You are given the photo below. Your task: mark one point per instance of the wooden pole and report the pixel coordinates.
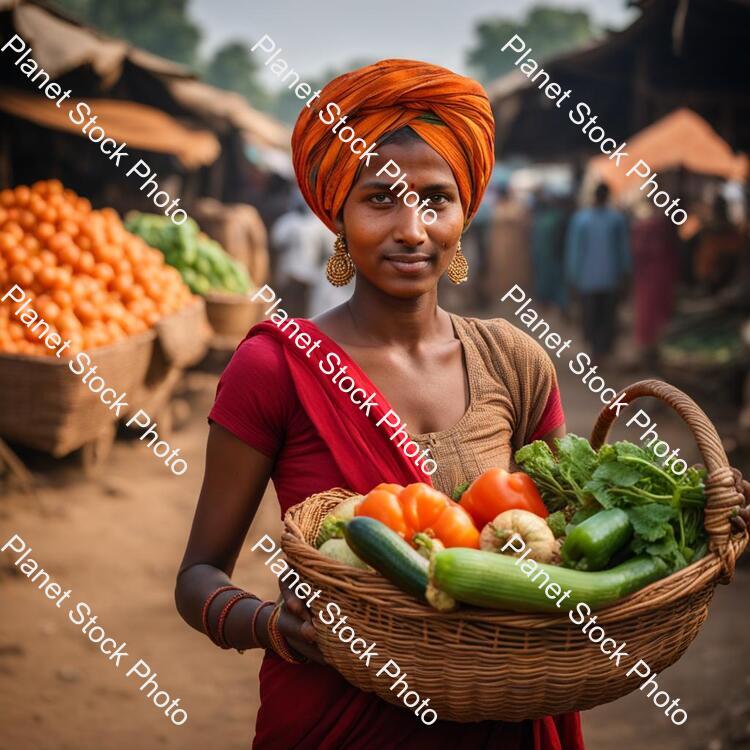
(22, 476)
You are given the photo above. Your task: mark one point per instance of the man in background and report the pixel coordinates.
(597, 261)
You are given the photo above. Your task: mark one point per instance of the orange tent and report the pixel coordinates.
(681, 139)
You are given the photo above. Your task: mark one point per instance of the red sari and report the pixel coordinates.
(275, 398)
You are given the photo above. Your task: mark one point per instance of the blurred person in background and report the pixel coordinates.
(548, 250)
(295, 267)
(478, 236)
(508, 258)
(597, 262)
(656, 269)
(718, 249)
(303, 245)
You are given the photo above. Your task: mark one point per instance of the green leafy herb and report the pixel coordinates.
(666, 510)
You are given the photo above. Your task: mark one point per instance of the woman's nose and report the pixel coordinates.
(410, 230)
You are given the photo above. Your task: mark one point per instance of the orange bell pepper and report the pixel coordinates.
(382, 504)
(496, 491)
(420, 508)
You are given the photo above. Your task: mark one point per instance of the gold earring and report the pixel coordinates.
(340, 268)
(458, 270)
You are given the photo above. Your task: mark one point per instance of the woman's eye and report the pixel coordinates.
(438, 199)
(381, 199)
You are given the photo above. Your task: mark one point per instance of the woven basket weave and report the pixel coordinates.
(478, 664)
(44, 405)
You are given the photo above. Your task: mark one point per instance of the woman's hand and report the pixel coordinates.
(295, 624)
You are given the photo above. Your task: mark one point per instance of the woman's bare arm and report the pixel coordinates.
(235, 479)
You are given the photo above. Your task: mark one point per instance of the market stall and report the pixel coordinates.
(189, 139)
(194, 135)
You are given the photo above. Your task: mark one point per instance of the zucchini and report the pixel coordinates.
(383, 549)
(593, 542)
(498, 581)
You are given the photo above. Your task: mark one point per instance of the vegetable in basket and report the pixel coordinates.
(500, 582)
(331, 527)
(388, 553)
(533, 531)
(496, 491)
(420, 508)
(202, 262)
(338, 549)
(593, 542)
(557, 523)
(664, 510)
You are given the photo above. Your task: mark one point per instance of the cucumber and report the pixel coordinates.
(498, 582)
(591, 544)
(384, 550)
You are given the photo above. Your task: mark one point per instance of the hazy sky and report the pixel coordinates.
(315, 35)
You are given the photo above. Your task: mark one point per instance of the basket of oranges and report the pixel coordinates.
(94, 285)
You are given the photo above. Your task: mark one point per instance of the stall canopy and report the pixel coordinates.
(211, 103)
(139, 126)
(681, 140)
(64, 46)
(678, 53)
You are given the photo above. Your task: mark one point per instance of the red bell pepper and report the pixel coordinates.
(496, 491)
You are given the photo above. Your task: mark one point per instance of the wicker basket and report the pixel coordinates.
(478, 664)
(44, 405)
(183, 336)
(232, 315)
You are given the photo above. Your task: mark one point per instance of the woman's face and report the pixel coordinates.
(388, 241)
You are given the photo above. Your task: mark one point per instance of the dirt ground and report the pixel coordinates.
(116, 541)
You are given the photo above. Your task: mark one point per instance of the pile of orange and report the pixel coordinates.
(92, 281)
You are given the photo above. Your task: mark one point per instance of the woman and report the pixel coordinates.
(470, 391)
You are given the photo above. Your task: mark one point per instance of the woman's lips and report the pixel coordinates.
(409, 263)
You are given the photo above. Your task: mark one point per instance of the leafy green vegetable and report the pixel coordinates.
(650, 521)
(665, 510)
(559, 480)
(557, 523)
(201, 261)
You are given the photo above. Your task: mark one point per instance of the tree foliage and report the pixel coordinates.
(159, 26)
(548, 31)
(233, 67)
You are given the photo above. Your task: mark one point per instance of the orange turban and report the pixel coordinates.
(449, 112)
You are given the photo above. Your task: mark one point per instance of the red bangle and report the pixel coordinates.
(254, 621)
(207, 605)
(225, 613)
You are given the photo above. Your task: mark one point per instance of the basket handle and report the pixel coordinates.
(726, 491)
